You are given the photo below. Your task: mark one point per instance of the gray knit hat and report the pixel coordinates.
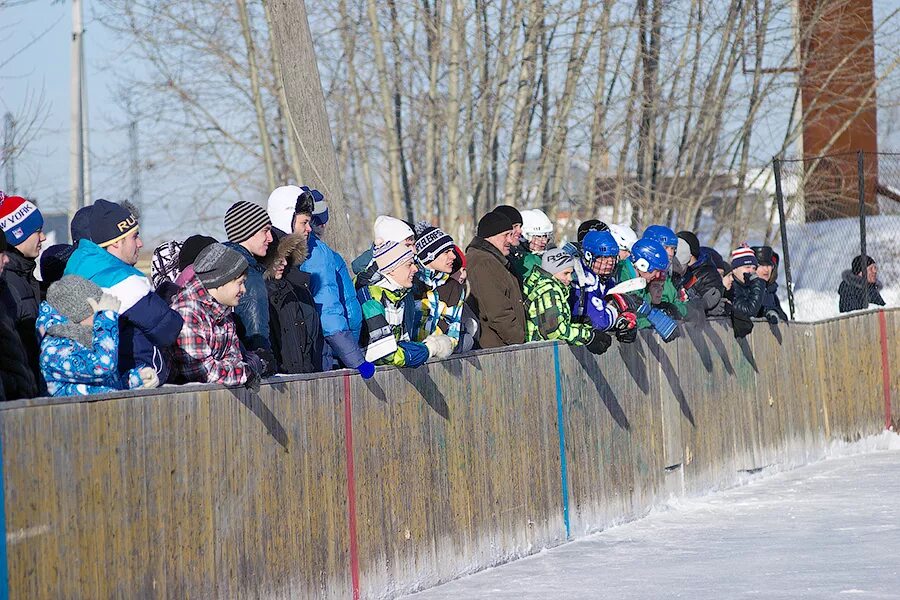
(69, 297)
(217, 264)
(556, 260)
(243, 220)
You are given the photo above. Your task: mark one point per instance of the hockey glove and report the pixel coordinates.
(664, 324)
(599, 342)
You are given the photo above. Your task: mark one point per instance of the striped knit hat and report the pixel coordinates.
(19, 218)
(389, 255)
(431, 242)
(743, 256)
(243, 220)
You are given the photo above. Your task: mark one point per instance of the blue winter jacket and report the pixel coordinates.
(147, 326)
(336, 303)
(252, 313)
(73, 369)
(587, 301)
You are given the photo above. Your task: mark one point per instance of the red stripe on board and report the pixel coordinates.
(885, 369)
(351, 490)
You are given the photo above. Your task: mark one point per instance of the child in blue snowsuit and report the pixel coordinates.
(78, 326)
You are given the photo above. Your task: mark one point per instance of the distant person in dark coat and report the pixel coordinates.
(16, 377)
(747, 290)
(701, 278)
(768, 271)
(860, 286)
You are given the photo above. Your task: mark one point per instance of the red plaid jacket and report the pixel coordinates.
(207, 349)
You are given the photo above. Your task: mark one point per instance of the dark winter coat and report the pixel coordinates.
(771, 304)
(294, 327)
(252, 313)
(702, 280)
(496, 296)
(853, 291)
(746, 299)
(16, 377)
(148, 327)
(22, 297)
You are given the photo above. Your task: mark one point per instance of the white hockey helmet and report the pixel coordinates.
(535, 222)
(625, 236)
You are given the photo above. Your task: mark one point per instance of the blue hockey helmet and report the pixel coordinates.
(597, 244)
(649, 255)
(661, 234)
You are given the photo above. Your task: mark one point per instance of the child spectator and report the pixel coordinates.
(536, 230)
(79, 330)
(293, 321)
(768, 271)
(701, 279)
(859, 286)
(442, 298)
(147, 326)
(650, 262)
(496, 294)
(599, 256)
(391, 315)
(625, 237)
(547, 299)
(665, 294)
(16, 377)
(747, 290)
(208, 349)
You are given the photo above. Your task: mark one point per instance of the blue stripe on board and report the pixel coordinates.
(4, 571)
(562, 439)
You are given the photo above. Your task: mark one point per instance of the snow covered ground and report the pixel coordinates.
(828, 530)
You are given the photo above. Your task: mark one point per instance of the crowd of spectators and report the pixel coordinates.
(274, 298)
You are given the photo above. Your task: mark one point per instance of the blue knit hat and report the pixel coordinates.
(320, 208)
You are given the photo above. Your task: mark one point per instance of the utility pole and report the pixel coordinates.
(77, 138)
(135, 168)
(9, 149)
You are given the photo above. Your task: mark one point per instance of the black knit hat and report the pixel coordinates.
(53, 262)
(857, 265)
(511, 213)
(80, 227)
(692, 242)
(110, 222)
(431, 242)
(191, 248)
(591, 225)
(243, 220)
(493, 223)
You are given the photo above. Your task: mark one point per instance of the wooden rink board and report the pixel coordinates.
(204, 492)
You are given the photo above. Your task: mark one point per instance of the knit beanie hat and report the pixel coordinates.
(493, 223)
(69, 297)
(743, 256)
(693, 243)
(164, 264)
(556, 260)
(218, 264)
(856, 265)
(320, 208)
(431, 242)
(244, 219)
(390, 229)
(510, 212)
(110, 222)
(191, 248)
(19, 218)
(80, 227)
(389, 255)
(53, 262)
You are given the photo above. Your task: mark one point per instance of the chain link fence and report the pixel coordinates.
(838, 213)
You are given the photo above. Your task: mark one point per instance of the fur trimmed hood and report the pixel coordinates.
(291, 247)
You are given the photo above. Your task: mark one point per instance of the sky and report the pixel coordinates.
(35, 63)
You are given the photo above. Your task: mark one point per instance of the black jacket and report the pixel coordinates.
(770, 303)
(16, 377)
(702, 280)
(294, 328)
(22, 298)
(747, 297)
(853, 290)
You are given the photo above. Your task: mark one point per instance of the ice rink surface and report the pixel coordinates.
(827, 530)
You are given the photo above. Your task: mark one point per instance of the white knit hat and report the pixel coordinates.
(389, 229)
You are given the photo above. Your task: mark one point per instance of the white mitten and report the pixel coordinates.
(149, 377)
(106, 302)
(439, 345)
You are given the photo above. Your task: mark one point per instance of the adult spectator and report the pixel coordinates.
(518, 254)
(496, 294)
(306, 213)
(249, 232)
(768, 271)
(441, 297)
(625, 237)
(747, 290)
(548, 314)
(391, 315)
(701, 279)
(147, 326)
(22, 224)
(294, 327)
(79, 330)
(208, 348)
(16, 376)
(599, 255)
(859, 286)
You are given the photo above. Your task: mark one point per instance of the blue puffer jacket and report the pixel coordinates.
(336, 303)
(72, 368)
(147, 326)
(252, 314)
